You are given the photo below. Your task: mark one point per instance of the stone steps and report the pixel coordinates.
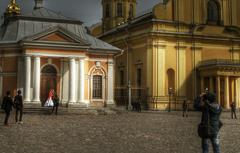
(69, 111)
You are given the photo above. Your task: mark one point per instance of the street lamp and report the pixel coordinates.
(170, 93)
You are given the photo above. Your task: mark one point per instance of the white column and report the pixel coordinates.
(182, 71)
(110, 84)
(81, 80)
(218, 84)
(37, 75)
(226, 93)
(27, 79)
(1, 84)
(72, 81)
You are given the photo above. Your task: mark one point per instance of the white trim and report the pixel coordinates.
(103, 74)
(55, 55)
(55, 66)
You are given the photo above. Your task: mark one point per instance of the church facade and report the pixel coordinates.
(176, 50)
(45, 50)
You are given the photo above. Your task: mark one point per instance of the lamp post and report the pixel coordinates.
(170, 92)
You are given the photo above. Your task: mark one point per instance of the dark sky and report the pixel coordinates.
(88, 11)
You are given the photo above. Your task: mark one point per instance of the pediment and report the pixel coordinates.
(57, 35)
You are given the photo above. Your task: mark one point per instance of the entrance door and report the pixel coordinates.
(48, 81)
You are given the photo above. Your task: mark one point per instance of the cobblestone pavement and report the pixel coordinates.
(127, 132)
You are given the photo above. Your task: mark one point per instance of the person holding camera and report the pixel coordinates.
(210, 122)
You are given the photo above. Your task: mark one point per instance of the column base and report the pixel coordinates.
(78, 104)
(110, 102)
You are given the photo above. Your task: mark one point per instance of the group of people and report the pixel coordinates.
(9, 103)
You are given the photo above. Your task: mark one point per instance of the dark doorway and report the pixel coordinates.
(48, 81)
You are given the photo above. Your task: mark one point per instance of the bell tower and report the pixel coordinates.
(117, 11)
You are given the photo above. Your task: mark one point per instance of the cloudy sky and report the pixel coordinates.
(88, 11)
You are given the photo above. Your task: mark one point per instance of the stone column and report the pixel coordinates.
(218, 84)
(226, 93)
(211, 84)
(110, 89)
(81, 80)
(72, 80)
(27, 85)
(181, 77)
(37, 75)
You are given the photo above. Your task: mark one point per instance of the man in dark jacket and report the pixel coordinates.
(233, 110)
(211, 112)
(56, 104)
(7, 105)
(18, 103)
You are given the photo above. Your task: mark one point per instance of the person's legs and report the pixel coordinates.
(21, 114)
(6, 117)
(235, 115)
(204, 145)
(216, 144)
(16, 115)
(56, 110)
(232, 114)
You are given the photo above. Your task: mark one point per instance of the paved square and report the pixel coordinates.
(127, 132)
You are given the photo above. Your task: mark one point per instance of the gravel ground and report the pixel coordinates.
(127, 132)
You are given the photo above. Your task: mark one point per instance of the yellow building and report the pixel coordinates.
(182, 45)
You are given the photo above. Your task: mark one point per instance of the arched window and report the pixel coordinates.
(131, 11)
(119, 10)
(213, 10)
(49, 70)
(171, 78)
(107, 11)
(97, 87)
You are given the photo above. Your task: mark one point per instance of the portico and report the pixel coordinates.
(223, 78)
(51, 51)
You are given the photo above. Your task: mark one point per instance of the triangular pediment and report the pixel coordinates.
(57, 34)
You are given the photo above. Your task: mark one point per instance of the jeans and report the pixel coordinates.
(16, 115)
(215, 144)
(7, 114)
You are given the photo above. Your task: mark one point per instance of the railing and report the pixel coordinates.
(138, 95)
(219, 62)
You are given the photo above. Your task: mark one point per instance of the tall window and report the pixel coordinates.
(97, 87)
(119, 9)
(213, 12)
(107, 11)
(131, 11)
(121, 77)
(139, 82)
(171, 78)
(139, 77)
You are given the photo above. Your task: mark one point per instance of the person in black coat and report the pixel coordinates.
(18, 103)
(7, 105)
(185, 108)
(233, 110)
(56, 104)
(211, 112)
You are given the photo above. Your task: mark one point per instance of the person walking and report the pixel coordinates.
(7, 105)
(18, 103)
(56, 104)
(210, 122)
(233, 110)
(185, 108)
